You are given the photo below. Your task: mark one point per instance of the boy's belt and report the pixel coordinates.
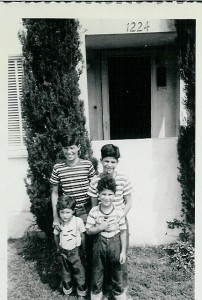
(67, 253)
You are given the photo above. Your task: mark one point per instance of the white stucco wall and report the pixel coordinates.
(18, 205)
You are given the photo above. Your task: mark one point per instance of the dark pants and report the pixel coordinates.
(124, 266)
(106, 256)
(72, 267)
(82, 212)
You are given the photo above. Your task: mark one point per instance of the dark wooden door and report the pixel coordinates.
(129, 97)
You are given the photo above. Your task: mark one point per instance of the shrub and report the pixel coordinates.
(182, 255)
(50, 104)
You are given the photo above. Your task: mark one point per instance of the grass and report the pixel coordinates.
(33, 273)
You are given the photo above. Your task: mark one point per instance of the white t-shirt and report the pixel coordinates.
(70, 234)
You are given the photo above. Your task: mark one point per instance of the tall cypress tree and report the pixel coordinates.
(50, 104)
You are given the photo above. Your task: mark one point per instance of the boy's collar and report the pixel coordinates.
(99, 206)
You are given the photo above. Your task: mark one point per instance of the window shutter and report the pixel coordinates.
(16, 133)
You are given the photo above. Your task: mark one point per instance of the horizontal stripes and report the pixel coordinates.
(123, 188)
(116, 219)
(74, 180)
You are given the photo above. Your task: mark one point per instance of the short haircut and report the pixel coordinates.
(110, 150)
(65, 201)
(106, 182)
(71, 139)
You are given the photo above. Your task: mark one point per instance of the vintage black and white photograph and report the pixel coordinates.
(100, 191)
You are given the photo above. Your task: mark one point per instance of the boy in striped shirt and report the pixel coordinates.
(74, 175)
(107, 223)
(110, 155)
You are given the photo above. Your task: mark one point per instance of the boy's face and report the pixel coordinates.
(71, 152)
(109, 164)
(106, 197)
(66, 214)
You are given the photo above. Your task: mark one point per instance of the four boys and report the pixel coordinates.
(111, 200)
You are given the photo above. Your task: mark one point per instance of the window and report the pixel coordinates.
(16, 144)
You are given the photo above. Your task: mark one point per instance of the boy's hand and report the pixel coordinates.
(105, 226)
(122, 257)
(56, 223)
(58, 251)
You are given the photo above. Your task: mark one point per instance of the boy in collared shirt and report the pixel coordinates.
(70, 239)
(107, 223)
(110, 155)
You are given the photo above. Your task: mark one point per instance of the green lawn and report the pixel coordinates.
(33, 274)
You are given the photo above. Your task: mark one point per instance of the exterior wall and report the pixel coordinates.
(19, 217)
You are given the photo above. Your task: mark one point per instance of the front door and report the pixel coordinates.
(129, 90)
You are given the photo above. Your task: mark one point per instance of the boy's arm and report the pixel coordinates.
(128, 203)
(123, 237)
(54, 200)
(83, 243)
(97, 229)
(57, 241)
(94, 201)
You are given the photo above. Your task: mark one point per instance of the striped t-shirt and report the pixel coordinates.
(116, 220)
(123, 188)
(74, 180)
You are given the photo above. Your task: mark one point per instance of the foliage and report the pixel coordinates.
(182, 252)
(50, 104)
(182, 255)
(187, 230)
(186, 140)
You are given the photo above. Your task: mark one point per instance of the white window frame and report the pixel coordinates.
(16, 146)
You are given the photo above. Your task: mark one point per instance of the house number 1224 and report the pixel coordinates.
(137, 27)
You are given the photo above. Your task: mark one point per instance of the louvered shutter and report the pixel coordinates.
(15, 126)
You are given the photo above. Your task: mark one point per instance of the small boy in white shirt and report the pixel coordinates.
(70, 239)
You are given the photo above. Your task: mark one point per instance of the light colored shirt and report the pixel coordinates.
(123, 188)
(116, 219)
(74, 180)
(70, 234)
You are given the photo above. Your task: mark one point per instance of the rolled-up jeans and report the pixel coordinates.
(72, 266)
(106, 256)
